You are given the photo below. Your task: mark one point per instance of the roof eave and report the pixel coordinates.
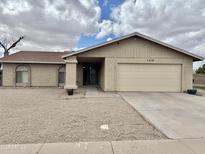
(198, 59)
(195, 57)
(32, 62)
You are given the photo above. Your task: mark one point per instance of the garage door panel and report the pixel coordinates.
(149, 77)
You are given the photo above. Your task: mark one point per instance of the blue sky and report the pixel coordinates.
(106, 8)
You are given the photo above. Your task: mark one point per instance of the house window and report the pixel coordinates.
(61, 75)
(22, 74)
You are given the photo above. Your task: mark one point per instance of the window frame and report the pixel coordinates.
(61, 69)
(25, 68)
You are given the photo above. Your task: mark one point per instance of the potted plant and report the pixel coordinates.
(192, 91)
(70, 91)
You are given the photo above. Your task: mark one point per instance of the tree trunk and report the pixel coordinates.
(6, 53)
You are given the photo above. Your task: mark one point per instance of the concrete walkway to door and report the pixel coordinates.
(177, 115)
(94, 91)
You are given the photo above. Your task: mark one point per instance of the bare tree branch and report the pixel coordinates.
(2, 46)
(15, 43)
(5, 44)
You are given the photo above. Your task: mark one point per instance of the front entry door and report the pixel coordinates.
(90, 74)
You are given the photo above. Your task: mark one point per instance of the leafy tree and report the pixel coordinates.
(201, 70)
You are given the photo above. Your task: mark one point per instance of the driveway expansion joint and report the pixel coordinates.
(112, 147)
(38, 151)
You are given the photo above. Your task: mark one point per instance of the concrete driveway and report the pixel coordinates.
(177, 115)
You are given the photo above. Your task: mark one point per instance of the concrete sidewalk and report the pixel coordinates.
(193, 146)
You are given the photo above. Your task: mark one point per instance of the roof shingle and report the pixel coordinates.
(35, 57)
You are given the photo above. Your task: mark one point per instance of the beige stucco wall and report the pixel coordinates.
(45, 75)
(8, 75)
(138, 50)
(71, 73)
(102, 75)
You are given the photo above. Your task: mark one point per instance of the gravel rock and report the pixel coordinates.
(39, 115)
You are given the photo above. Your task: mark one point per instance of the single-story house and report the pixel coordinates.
(134, 62)
(33, 69)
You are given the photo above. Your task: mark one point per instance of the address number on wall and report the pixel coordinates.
(150, 60)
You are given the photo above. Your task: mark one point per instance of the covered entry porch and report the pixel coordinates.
(84, 71)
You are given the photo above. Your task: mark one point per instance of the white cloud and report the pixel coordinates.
(180, 23)
(105, 28)
(14, 7)
(109, 39)
(49, 24)
(106, 2)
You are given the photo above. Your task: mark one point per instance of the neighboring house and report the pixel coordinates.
(33, 68)
(134, 62)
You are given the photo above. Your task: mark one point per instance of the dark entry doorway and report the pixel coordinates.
(91, 73)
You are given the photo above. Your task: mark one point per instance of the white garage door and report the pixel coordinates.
(149, 77)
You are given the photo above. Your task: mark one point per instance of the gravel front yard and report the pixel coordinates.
(42, 115)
